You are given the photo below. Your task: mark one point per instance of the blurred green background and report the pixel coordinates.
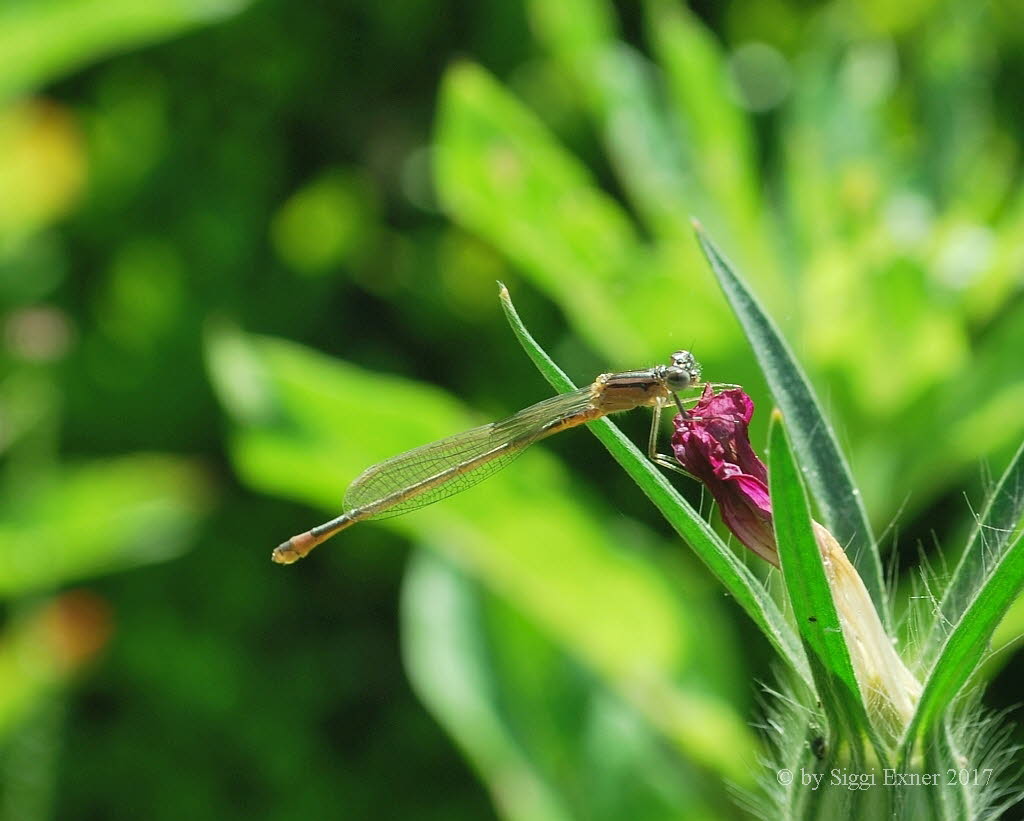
(247, 249)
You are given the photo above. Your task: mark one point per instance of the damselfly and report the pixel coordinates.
(441, 469)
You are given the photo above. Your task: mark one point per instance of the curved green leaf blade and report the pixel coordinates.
(720, 560)
(809, 592)
(813, 439)
(991, 536)
(503, 175)
(969, 640)
(621, 92)
(719, 135)
(97, 517)
(41, 41)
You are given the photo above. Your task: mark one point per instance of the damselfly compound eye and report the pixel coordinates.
(677, 379)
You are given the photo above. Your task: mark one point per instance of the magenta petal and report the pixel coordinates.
(755, 491)
(713, 443)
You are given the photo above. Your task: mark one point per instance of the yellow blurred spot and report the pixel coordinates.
(326, 223)
(860, 187)
(42, 165)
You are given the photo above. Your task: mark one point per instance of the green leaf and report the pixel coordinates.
(992, 535)
(720, 142)
(97, 517)
(810, 595)
(304, 425)
(968, 640)
(575, 27)
(42, 41)
(502, 175)
(720, 560)
(620, 89)
(670, 161)
(814, 442)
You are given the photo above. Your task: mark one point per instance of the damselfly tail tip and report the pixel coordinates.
(502, 290)
(697, 225)
(294, 549)
(285, 553)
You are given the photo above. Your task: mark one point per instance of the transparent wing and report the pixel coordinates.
(473, 450)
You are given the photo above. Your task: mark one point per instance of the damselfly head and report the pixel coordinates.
(683, 372)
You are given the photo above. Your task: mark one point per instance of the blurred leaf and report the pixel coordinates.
(974, 412)
(821, 459)
(447, 661)
(40, 41)
(95, 518)
(815, 150)
(324, 421)
(671, 162)
(579, 26)
(550, 741)
(733, 574)
(988, 292)
(618, 84)
(501, 174)
(719, 141)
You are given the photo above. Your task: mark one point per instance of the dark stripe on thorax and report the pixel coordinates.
(632, 379)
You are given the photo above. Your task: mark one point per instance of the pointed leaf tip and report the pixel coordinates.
(815, 442)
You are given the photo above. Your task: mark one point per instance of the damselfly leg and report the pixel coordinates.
(663, 460)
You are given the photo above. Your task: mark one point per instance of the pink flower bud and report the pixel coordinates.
(712, 442)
